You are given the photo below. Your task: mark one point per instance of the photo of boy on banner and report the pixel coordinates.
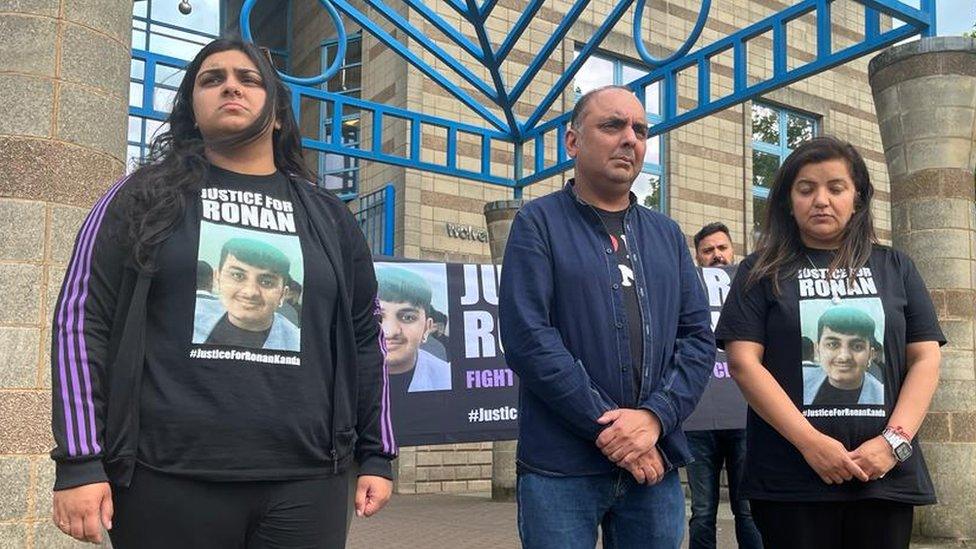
(407, 301)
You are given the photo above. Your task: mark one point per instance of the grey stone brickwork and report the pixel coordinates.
(925, 94)
(64, 71)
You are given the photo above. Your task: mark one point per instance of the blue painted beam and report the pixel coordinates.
(574, 66)
(431, 16)
(929, 9)
(486, 8)
(429, 45)
(395, 160)
(516, 31)
(492, 65)
(458, 6)
(703, 12)
(557, 36)
(389, 219)
(824, 29)
(414, 60)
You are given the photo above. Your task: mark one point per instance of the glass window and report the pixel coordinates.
(340, 173)
(603, 70)
(764, 166)
(158, 27)
(765, 124)
(647, 187)
(798, 130)
(595, 72)
(775, 133)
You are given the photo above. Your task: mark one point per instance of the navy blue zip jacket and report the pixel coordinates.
(564, 329)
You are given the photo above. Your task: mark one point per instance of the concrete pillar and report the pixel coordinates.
(925, 95)
(64, 71)
(499, 216)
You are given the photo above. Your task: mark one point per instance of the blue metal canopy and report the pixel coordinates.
(496, 99)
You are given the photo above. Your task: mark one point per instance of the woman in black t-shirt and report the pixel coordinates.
(189, 410)
(832, 459)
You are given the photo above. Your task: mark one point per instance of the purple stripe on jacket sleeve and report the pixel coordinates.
(86, 368)
(71, 337)
(67, 363)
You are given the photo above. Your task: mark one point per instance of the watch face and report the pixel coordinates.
(903, 451)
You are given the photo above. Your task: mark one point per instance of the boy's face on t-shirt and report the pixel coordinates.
(844, 357)
(250, 294)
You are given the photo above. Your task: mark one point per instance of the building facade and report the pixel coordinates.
(62, 123)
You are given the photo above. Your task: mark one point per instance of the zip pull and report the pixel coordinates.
(335, 461)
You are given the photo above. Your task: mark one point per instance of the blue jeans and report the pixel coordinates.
(711, 449)
(565, 512)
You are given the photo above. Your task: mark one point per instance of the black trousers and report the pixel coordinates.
(165, 511)
(862, 524)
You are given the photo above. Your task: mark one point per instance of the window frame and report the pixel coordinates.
(325, 117)
(782, 149)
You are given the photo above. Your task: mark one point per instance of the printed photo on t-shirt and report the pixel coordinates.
(249, 289)
(843, 352)
(413, 304)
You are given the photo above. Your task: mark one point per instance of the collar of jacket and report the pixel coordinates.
(570, 189)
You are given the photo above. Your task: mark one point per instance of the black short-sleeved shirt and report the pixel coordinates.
(614, 223)
(838, 349)
(232, 389)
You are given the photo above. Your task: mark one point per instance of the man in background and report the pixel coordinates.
(713, 448)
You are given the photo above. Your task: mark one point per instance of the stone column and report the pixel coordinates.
(499, 216)
(64, 71)
(925, 94)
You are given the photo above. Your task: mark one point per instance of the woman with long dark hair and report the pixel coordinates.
(832, 459)
(187, 410)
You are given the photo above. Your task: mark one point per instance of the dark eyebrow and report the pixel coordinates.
(223, 71)
(215, 70)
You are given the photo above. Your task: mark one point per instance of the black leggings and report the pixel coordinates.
(861, 524)
(166, 511)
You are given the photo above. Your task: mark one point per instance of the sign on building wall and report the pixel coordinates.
(448, 378)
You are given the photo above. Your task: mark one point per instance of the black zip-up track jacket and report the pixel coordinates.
(98, 344)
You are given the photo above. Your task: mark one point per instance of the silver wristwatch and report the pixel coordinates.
(901, 447)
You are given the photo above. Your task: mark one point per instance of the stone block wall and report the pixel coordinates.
(64, 71)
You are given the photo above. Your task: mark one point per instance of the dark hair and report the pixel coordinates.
(398, 285)
(257, 254)
(709, 230)
(176, 165)
(780, 246)
(847, 320)
(580, 108)
(204, 276)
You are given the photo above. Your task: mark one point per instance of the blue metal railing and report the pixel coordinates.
(508, 130)
(377, 219)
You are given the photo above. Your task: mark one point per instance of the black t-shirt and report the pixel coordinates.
(614, 223)
(232, 389)
(226, 332)
(848, 384)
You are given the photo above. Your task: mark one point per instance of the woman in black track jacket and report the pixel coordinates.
(188, 409)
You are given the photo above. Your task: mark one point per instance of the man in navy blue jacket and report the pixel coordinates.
(605, 322)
